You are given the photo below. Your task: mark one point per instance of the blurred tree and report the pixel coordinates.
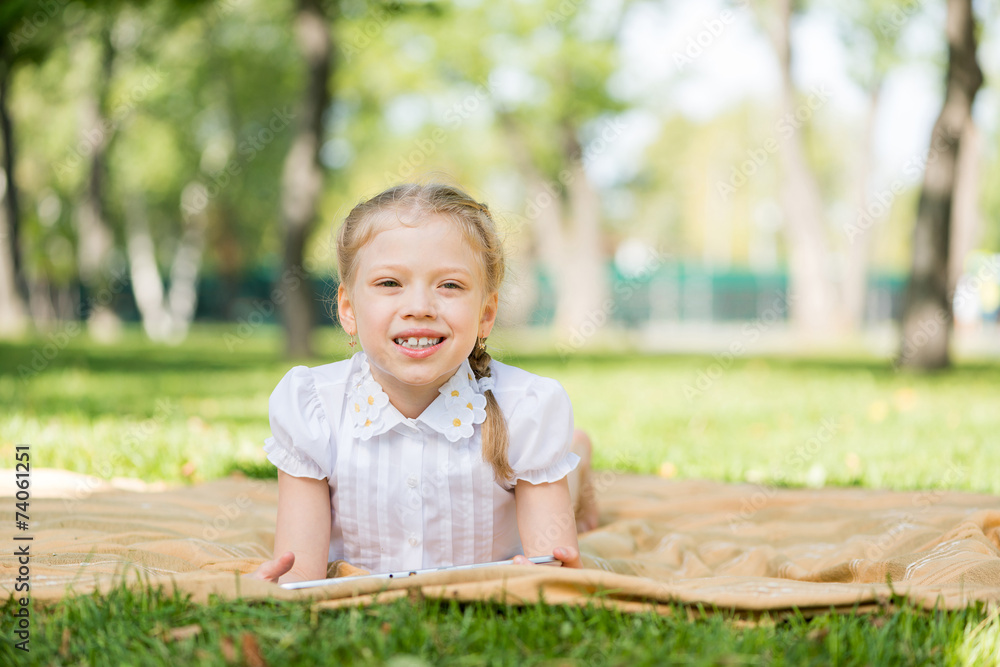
(95, 238)
(166, 313)
(927, 310)
(242, 132)
(13, 309)
(871, 30)
(990, 196)
(236, 133)
(96, 48)
(302, 179)
(813, 299)
(216, 139)
(28, 35)
(194, 198)
(966, 225)
(970, 204)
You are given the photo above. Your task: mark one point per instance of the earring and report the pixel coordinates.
(482, 344)
(353, 342)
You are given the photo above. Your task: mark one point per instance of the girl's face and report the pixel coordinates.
(417, 304)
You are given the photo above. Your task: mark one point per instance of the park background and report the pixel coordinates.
(737, 181)
(767, 230)
(713, 176)
(756, 242)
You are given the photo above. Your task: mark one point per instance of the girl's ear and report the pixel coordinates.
(489, 316)
(345, 311)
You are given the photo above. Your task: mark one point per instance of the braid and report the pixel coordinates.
(496, 439)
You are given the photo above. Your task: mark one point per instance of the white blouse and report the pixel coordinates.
(416, 493)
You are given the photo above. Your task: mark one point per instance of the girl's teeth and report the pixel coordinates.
(417, 343)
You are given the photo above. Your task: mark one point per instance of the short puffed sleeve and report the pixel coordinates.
(540, 425)
(302, 440)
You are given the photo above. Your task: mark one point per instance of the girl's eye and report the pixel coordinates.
(387, 283)
(452, 285)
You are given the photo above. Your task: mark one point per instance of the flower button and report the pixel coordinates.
(460, 425)
(373, 399)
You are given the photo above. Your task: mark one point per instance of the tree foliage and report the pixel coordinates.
(503, 97)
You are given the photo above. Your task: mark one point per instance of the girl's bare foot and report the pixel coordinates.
(585, 503)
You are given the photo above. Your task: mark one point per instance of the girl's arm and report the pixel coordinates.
(302, 535)
(546, 522)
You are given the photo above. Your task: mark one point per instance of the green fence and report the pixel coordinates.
(675, 292)
(682, 292)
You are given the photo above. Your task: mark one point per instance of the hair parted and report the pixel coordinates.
(406, 204)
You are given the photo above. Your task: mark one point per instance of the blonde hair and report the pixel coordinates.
(474, 220)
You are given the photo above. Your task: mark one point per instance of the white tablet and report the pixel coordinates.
(539, 560)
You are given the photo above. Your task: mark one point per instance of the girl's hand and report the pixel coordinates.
(272, 569)
(570, 557)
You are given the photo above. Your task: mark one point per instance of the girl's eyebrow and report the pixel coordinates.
(454, 269)
(399, 268)
(388, 267)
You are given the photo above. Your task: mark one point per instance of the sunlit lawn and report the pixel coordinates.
(189, 413)
(195, 412)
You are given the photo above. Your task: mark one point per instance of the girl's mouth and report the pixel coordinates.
(413, 343)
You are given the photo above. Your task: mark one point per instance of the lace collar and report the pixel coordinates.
(453, 414)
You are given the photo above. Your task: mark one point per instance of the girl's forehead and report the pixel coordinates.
(413, 227)
(414, 236)
(409, 217)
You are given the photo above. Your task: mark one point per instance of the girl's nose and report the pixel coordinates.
(419, 303)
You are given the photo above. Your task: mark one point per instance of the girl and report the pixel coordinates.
(421, 451)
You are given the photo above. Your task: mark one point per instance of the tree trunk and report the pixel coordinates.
(862, 228)
(927, 312)
(302, 178)
(812, 297)
(13, 307)
(565, 220)
(965, 222)
(544, 213)
(13, 310)
(40, 304)
(581, 309)
(166, 318)
(95, 240)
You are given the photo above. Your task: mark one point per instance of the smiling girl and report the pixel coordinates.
(420, 450)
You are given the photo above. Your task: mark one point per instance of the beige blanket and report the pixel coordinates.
(743, 547)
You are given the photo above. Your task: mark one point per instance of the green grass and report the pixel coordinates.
(790, 421)
(169, 629)
(193, 412)
(197, 411)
